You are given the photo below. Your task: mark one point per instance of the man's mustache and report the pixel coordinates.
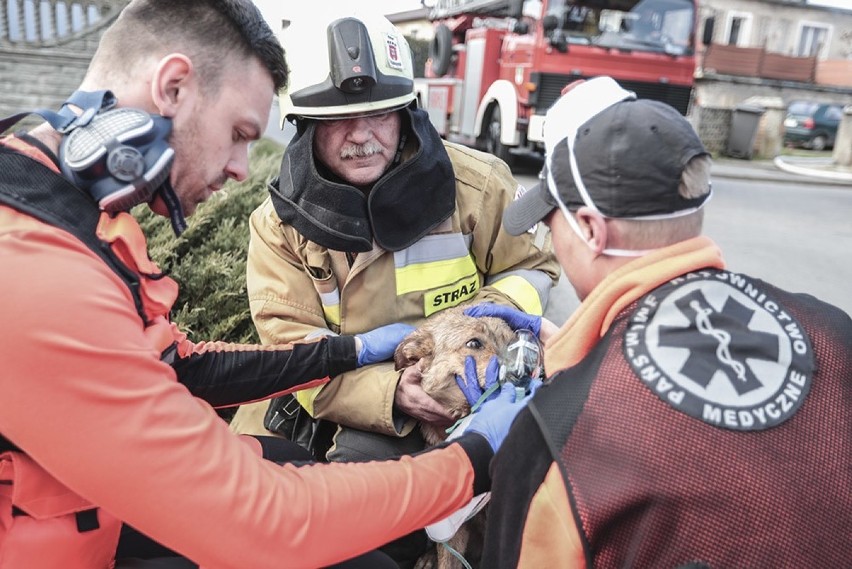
(360, 150)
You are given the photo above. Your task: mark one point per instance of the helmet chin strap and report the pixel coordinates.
(397, 157)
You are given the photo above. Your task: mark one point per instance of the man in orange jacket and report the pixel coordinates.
(106, 408)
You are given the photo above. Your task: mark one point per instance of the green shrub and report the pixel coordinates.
(209, 259)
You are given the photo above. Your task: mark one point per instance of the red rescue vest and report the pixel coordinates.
(710, 427)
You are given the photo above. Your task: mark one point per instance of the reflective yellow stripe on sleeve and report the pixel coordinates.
(306, 397)
(441, 268)
(331, 306)
(522, 292)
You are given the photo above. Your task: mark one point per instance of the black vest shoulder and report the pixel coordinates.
(33, 189)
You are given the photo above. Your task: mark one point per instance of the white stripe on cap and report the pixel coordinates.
(567, 116)
(586, 101)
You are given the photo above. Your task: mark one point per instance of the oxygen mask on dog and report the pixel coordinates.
(521, 361)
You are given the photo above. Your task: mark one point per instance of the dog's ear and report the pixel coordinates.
(417, 345)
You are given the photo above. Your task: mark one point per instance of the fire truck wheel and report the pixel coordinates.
(441, 50)
(490, 138)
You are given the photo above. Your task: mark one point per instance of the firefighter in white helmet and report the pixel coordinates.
(374, 219)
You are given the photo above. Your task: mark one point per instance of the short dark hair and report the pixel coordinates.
(208, 31)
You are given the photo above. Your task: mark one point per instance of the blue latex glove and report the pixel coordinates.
(496, 416)
(513, 317)
(378, 345)
(469, 384)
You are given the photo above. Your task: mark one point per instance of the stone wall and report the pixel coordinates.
(713, 125)
(40, 77)
(842, 154)
(728, 91)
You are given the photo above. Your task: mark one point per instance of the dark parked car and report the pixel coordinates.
(812, 125)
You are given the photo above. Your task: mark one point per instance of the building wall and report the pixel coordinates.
(728, 92)
(419, 30)
(40, 65)
(414, 23)
(717, 99)
(777, 25)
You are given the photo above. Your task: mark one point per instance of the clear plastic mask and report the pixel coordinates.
(522, 360)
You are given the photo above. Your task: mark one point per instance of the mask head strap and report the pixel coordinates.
(66, 120)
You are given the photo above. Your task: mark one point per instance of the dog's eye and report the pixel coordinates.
(474, 344)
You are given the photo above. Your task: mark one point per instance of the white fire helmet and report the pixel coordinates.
(345, 65)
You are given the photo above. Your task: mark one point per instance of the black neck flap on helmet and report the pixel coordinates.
(404, 204)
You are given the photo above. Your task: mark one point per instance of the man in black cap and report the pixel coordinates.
(694, 417)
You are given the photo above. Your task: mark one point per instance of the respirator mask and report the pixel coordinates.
(120, 156)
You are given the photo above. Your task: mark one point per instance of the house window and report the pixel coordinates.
(813, 39)
(738, 29)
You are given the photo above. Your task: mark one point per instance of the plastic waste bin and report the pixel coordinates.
(744, 130)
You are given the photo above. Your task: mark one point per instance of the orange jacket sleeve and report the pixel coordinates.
(85, 394)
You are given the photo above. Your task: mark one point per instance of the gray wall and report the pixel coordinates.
(716, 97)
(42, 59)
(728, 91)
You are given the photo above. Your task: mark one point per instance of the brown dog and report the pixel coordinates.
(441, 346)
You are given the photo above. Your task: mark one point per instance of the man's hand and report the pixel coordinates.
(512, 316)
(412, 400)
(469, 384)
(495, 417)
(540, 326)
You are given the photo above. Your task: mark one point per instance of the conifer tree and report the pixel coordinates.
(209, 258)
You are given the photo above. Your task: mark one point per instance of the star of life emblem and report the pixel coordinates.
(717, 347)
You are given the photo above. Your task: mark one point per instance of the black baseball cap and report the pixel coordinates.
(610, 151)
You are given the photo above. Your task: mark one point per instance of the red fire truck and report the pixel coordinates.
(496, 66)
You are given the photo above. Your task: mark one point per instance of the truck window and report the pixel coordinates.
(642, 25)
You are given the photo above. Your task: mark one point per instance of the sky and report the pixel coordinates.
(835, 3)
